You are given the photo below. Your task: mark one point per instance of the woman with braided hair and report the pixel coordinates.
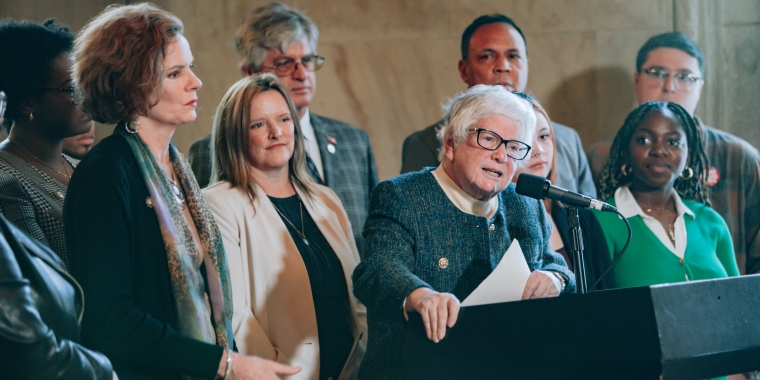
(654, 176)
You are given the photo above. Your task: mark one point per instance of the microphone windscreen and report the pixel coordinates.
(532, 186)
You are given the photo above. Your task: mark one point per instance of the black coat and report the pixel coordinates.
(118, 255)
(40, 313)
(596, 254)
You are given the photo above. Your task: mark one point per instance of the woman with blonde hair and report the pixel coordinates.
(144, 244)
(288, 239)
(542, 161)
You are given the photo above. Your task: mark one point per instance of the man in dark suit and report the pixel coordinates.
(278, 39)
(494, 51)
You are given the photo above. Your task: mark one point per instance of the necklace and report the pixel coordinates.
(300, 233)
(66, 175)
(672, 234)
(179, 196)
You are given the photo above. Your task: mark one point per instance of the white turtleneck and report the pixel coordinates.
(464, 202)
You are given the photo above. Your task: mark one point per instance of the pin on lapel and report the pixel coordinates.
(331, 143)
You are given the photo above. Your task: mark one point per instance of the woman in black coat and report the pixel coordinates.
(541, 163)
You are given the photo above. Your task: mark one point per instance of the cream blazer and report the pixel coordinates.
(274, 314)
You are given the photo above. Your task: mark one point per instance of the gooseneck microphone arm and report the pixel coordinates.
(540, 188)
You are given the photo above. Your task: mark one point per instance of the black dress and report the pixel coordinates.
(596, 254)
(328, 286)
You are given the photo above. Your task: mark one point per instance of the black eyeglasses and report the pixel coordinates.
(286, 66)
(683, 81)
(76, 94)
(491, 140)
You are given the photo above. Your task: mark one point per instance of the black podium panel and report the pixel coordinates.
(688, 330)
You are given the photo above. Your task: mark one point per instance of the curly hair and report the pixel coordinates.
(27, 53)
(118, 60)
(614, 174)
(229, 136)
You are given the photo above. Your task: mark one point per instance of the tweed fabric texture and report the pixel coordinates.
(33, 202)
(412, 225)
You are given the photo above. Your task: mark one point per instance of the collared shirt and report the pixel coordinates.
(312, 147)
(464, 202)
(628, 206)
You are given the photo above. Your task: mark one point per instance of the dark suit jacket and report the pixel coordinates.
(40, 314)
(573, 173)
(349, 166)
(118, 257)
(411, 227)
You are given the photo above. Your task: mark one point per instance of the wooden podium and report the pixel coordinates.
(690, 330)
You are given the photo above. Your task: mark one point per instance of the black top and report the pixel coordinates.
(118, 256)
(596, 254)
(328, 286)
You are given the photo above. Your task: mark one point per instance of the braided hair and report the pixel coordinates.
(615, 174)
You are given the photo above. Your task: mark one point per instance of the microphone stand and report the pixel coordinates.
(576, 249)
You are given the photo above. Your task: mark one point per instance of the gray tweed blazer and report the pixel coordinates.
(33, 202)
(413, 225)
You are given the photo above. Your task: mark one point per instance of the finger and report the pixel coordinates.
(530, 287)
(453, 312)
(426, 322)
(284, 369)
(433, 315)
(443, 316)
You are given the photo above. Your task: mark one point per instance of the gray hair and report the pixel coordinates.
(273, 26)
(482, 102)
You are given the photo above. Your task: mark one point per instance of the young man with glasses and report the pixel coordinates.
(670, 67)
(278, 39)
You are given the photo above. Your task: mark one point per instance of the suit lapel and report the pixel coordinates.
(321, 130)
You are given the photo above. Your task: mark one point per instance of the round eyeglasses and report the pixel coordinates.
(76, 94)
(491, 140)
(656, 77)
(287, 66)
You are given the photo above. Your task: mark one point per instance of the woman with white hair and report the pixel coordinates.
(433, 236)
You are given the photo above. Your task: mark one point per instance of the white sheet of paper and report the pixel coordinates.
(506, 283)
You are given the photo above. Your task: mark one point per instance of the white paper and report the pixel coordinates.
(506, 283)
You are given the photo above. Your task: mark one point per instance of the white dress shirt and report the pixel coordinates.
(312, 147)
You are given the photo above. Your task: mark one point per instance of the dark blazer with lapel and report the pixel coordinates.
(349, 168)
(118, 257)
(411, 227)
(40, 314)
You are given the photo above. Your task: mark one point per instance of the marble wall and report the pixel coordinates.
(390, 64)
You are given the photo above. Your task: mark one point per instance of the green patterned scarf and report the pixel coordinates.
(184, 259)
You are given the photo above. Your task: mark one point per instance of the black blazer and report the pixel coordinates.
(39, 314)
(118, 255)
(596, 254)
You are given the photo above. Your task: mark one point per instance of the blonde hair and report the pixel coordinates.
(553, 173)
(229, 136)
(119, 57)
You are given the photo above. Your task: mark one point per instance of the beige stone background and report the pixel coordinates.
(390, 63)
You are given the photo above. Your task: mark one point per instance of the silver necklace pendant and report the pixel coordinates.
(305, 241)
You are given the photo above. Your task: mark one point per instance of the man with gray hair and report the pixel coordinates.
(279, 39)
(434, 235)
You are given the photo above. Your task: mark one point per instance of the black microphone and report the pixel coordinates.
(537, 187)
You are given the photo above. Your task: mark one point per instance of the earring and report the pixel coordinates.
(689, 171)
(129, 128)
(31, 117)
(625, 170)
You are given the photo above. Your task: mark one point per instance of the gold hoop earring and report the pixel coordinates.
(625, 170)
(689, 175)
(129, 128)
(31, 117)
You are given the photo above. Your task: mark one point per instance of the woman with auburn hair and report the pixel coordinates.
(288, 239)
(542, 161)
(145, 246)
